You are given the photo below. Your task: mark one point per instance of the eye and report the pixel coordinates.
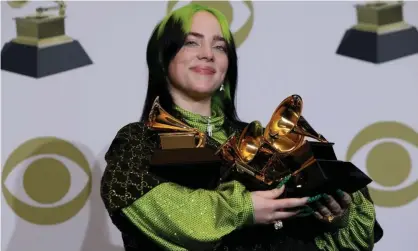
(46, 181)
(189, 43)
(388, 151)
(221, 48)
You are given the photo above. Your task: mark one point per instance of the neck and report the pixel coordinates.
(201, 107)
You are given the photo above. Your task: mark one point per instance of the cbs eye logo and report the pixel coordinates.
(388, 162)
(46, 182)
(241, 34)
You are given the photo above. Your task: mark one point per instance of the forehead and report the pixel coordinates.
(206, 24)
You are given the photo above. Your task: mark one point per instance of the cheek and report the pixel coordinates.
(172, 71)
(184, 57)
(223, 65)
(176, 68)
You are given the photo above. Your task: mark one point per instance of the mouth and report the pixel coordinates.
(203, 70)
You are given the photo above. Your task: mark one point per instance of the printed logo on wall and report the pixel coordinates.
(46, 180)
(388, 163)
(41, 47)
(381, 34)
(225, 7)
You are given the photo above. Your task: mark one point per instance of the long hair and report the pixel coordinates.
(166, 40)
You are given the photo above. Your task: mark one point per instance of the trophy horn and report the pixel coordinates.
(244, 148)
(287, 128)
(161, 120)
(250, 141)
(240, 151)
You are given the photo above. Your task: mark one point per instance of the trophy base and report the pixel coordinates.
(379, 48)
(191, 167)
(309, 151)
(320, 176)
(327, 176)
(38, 62)
(303, 157)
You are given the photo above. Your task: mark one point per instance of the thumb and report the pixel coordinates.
(273, 193)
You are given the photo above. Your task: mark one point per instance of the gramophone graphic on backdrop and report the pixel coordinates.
(41, 47)
(380, 35)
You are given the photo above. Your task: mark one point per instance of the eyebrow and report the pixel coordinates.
(216, 37)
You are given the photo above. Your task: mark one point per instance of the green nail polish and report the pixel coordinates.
(306, 214)
(340, 193)
(315, 198)
(284, 181)
(306, 210)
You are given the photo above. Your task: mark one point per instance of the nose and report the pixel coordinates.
(206, 53)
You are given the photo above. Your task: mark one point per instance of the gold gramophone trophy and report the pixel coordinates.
(380, 35)
(41, 47)
(263, 158)
(182, 157)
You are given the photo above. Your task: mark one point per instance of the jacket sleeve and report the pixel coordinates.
(173, 216)
(358, 232)
(179, 218)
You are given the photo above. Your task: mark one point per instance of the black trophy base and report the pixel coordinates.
(379, 48)
(41, 62)
(321, 176)
(308, 151)
(327, 176)
(191, 167)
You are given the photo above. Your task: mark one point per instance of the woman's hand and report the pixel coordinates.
(268, 209)
(330, 208)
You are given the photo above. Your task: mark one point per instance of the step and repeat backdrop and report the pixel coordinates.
(59, 116)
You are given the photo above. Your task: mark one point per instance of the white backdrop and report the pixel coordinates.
(290, 49)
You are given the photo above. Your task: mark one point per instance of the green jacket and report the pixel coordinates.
(155, 214)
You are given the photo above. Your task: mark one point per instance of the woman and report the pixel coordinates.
(193, 70)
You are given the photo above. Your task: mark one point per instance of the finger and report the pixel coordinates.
(280, 215)
(291, 202)
(323, 210)
(345, 200)
(318, 216)
(272, 194)
(333, 205)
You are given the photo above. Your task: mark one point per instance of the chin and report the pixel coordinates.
(201, 93)
(203, 88)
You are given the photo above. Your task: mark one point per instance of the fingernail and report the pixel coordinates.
(306, 209)
(340, 193)
(315, 198)
(305, 212)
(304, 215)
(284, 181)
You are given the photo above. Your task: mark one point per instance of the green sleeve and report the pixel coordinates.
(358, 232)
(178, 218)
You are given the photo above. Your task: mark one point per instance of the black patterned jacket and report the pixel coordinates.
(127, 178)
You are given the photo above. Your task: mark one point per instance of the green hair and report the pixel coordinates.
(185, 14)
(166, 41)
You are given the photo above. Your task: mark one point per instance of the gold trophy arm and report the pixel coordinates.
(61, 7)
(245, 168)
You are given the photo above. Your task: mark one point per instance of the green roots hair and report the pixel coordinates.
(185, 14)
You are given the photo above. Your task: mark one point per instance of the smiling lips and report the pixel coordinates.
(203, 70)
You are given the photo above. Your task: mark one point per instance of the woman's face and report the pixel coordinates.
(199, 68)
